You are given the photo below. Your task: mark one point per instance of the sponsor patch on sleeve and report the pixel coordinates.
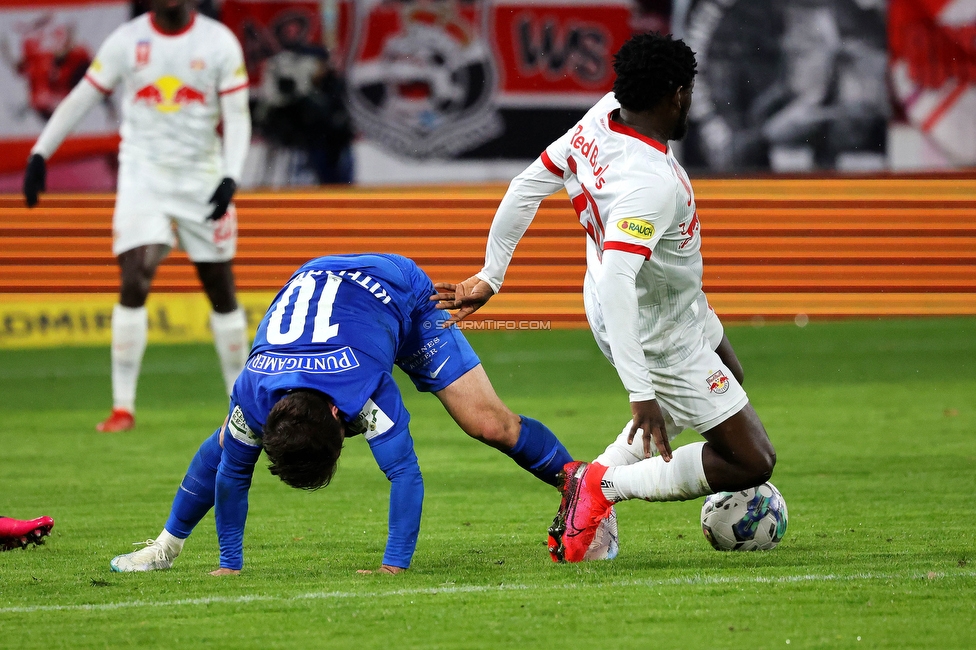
(238, 428)
(371, 421)
(636, 228)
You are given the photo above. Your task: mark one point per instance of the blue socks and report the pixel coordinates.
(195, 497)
(539, 451)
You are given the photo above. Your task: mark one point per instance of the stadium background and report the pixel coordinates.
(833, 146)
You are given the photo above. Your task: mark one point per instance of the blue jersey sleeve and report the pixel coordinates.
(234, 472)
(396, 458)
(384, 422)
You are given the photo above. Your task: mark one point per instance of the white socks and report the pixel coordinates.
(230, 339)
(130, 328)
(171, 545)
(620, 453)
(653, 479)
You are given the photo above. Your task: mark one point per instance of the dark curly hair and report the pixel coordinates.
(303, 439)
(651, 67)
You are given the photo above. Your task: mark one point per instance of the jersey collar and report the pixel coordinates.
(623, 129)
(159, 30)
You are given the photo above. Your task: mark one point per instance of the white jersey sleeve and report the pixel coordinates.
(232, 88)
(617, 289)
(516, 211)
(111, 62)
(66, 116)
(636, 222)
(639, 219)
(233, 72)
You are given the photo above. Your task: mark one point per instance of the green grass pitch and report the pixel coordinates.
(874, 424)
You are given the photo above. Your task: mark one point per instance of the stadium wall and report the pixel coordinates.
(774, 249)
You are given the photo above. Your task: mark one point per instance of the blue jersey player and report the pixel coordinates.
(320, 371)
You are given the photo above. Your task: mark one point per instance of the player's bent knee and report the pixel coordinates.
(498, 429)
(761, 464)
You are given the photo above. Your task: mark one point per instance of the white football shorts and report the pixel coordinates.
(699, 391)
(154, 210)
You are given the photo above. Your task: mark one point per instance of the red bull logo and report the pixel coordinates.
(689, 229)
(168, 95)
(718, 382)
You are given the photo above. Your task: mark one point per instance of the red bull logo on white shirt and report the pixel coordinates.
(169, 94)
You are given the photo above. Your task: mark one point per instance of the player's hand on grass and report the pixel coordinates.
(222, 197)
(466, 297)
(386, 568)
(650, 421)
(35, 178)
(225, 572)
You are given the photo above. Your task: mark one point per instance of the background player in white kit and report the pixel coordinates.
(180, 73)
(643, 296)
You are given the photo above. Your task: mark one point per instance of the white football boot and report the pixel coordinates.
(157, 555)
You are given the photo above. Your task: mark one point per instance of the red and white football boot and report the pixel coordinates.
(582, 509)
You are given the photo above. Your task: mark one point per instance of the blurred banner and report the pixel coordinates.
(933, 75)
(481, 81)
(45, 49)
(788, 85)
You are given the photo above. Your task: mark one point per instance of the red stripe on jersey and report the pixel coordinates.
(623, 129)
(589, 231)
(643, 251)
(99, 87)
(596, 211)
(579, 204)
(234, 89)
(162, 32)
(551, 166)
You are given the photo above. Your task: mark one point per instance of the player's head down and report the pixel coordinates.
(303, 439)
(656, 71)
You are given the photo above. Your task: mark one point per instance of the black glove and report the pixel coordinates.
(221, 198)
(35, 178)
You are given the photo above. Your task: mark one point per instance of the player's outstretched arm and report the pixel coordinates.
(232, 485)
(394, 453)
(466, 297)
(66, 116)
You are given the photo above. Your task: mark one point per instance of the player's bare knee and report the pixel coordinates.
(761, 465)
(497, 429)
(134, 290)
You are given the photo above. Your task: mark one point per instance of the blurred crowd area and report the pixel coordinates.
(429, 91)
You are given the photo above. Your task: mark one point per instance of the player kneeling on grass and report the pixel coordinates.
(320, 371)
(642, 294)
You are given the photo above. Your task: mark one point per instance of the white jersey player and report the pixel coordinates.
(177, 75)
(642, 293)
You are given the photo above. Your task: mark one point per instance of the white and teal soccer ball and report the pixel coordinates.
(606, 543)
(747, 520)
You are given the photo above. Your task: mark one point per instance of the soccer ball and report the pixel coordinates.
(605, 544)
(747, 520)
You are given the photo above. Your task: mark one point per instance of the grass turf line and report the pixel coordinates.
(872, 422)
